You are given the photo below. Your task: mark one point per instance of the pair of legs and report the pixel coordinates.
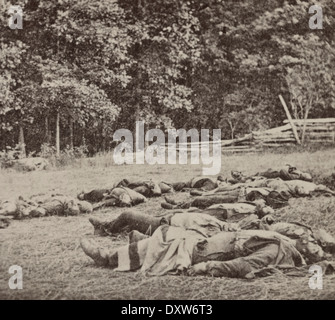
(286, 173)
(127, 221)
(242, 267)
(203, 201)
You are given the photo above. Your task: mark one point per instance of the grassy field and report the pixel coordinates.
(55, 267)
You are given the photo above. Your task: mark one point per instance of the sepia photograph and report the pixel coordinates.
(167, 150)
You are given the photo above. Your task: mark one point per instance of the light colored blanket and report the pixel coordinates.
(169, 249)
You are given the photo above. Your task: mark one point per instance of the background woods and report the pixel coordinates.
(80, 69)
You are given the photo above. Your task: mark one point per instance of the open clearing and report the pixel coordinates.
(55, 267)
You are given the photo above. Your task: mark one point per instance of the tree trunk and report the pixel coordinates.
(47, 137)
(137, 118)
(71, 132)
(103, 134)
(232, 129)
(83, 140)
(2, 139)
(22, 145)
(57, 135)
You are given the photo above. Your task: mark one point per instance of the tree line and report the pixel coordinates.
(80, 69)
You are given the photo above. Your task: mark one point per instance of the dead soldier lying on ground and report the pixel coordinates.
(146, 188)
(135, 220)
(132, 220)
(271, 198)
(238, 254)
(287, 172)
(115, 197)
(44, 205)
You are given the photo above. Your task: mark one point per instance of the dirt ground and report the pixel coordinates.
(55, 267)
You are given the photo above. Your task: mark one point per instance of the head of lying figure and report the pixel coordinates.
(34, 212)
(71, 208)
(237, 176)
(262, 209)
(80, 195)
(221, 179)
(310, 250)
(124, 200)
(325, 240)
(7, 207)
(85, 207)
(4, 222)
(293, 173)
(155, 190)
(253, 222)
(289, 168)
(277, 200)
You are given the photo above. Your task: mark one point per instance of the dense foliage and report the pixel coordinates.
(80, 69)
